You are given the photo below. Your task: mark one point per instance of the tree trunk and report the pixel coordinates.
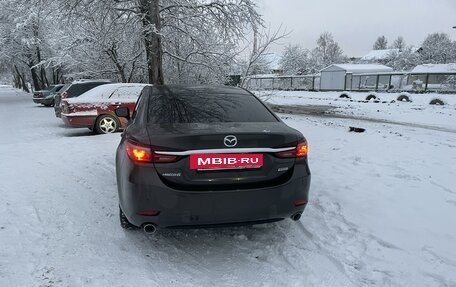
(112, 54)
(35, 79)
(17, 81)
(150, 10)
(44, 79)
(24, 85)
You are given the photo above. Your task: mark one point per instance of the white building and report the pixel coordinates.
(337, 77)
(438, 77)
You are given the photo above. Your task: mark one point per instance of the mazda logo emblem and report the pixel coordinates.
(230, 141)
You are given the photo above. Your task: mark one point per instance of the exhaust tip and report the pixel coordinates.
(149, 228)
(296, 216)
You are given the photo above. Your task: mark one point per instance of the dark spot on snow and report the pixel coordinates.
(302, 109)
(356, 130)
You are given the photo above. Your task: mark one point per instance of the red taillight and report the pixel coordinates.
(149, 213)
(301, 150)
(160, 158)
(64, 95)
(300, 202)
(138, 153)
(141, 153)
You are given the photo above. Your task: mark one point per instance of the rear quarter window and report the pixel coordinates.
(200, 106)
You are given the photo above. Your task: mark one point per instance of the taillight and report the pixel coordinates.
(141, 153)
(64, 95)
(161, 158)
(138, 153)
(70, 108)
(301, 150)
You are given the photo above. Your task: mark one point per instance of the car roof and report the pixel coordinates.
(215, 89)
(103, 92)
(91, 81)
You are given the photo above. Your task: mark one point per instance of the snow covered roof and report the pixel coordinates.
(261, 76)
(376, 55)
(435, 68)
(129, 90)
(90, 80)
(359, 68)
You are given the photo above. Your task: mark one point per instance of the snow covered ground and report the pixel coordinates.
(382, 208)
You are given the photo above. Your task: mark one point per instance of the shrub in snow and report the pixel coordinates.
(344, 96)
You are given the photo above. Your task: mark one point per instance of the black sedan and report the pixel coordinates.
(204, 155)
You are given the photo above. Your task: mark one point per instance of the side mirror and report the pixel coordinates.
(123, 112)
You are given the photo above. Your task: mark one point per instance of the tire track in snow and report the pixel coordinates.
(342, 243)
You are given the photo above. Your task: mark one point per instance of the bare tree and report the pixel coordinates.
(381, 43)
(326, 53)
(261, 44)
(165, 40)
(438, 48)
(399, 43)
(295, 60)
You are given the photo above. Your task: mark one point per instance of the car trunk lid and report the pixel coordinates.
(223, 156)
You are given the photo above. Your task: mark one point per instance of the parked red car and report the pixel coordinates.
(95, 108)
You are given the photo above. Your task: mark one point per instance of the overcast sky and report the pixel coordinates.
(356, 24)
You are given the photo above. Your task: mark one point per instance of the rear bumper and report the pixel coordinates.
(48, 101)
(141, 190)
(37, 100)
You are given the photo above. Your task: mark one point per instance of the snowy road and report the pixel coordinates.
(382, 212)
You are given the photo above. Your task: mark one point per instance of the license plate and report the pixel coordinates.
(225, 161)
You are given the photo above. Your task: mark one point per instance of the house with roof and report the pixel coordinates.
(432, 77)
(339, 77)
(380, 56)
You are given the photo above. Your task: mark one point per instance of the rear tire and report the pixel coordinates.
(124, 223)
(106, 124)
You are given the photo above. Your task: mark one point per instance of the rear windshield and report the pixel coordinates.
(80, 88)
(64, 88)
(205, 106)
(57, 88)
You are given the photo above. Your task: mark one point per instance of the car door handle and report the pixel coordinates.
(116, 104)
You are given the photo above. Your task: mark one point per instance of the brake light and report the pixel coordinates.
(138, 153)
(161, 158)
(141, 153)
(70, 108)
(300, 202)
(301, 150)
(64, 95)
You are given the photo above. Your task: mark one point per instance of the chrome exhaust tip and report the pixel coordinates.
(150, 228)
(296, 216)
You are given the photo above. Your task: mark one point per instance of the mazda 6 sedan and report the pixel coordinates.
(196, 156)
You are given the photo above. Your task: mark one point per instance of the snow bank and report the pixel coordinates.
(418, 111)
(381, 211)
